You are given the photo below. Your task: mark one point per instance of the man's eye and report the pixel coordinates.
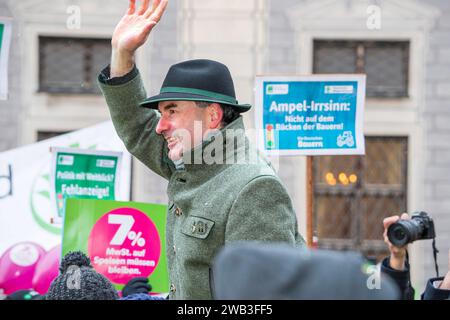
(171, 111)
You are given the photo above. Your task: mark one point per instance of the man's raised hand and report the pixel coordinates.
(135, 26)
(132, 31)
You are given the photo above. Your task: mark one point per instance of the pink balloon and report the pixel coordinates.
(47, 270)
(17, 266)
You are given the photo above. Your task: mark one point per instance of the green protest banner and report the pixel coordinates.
(84, 174)
(123, 239)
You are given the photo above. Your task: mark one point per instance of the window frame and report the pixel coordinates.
(355, 195)
(360, 48)
(88, 60)
(48, 134)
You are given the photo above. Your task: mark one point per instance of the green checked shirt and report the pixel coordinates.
(210, 205)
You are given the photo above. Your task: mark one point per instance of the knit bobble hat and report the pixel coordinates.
(79, 281)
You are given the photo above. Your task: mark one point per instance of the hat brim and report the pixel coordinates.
(152, 102)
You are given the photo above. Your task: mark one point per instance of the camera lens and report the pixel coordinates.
(404, 231)
(397, 235)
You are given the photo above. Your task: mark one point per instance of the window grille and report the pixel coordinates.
(353, 194)
(71, 65)
(386, 64)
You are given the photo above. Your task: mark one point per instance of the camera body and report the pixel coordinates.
(419, 227)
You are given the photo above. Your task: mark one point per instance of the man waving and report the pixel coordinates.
(220, 189)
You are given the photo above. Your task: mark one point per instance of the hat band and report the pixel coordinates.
(206, 93)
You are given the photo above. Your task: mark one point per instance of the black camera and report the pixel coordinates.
(419, 227)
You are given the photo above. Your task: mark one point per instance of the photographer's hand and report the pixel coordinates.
(398, 255)
(445, 285)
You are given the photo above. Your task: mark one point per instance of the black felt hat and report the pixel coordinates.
(198, 80)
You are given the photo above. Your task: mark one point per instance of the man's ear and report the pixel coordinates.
(215, 114)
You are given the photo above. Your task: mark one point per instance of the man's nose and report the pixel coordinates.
(162, 126)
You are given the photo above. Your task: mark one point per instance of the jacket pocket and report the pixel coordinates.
(197, 227)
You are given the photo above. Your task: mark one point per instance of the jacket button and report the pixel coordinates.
(172, 288)
(178, 212)
(174, 249)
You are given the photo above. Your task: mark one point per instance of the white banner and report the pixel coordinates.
(5, 41)
(26, 209)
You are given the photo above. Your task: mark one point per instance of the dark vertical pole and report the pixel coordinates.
(357, 207)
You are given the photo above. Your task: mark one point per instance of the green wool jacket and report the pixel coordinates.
(210, 204)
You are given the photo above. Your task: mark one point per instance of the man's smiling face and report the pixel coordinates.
(183, 125)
